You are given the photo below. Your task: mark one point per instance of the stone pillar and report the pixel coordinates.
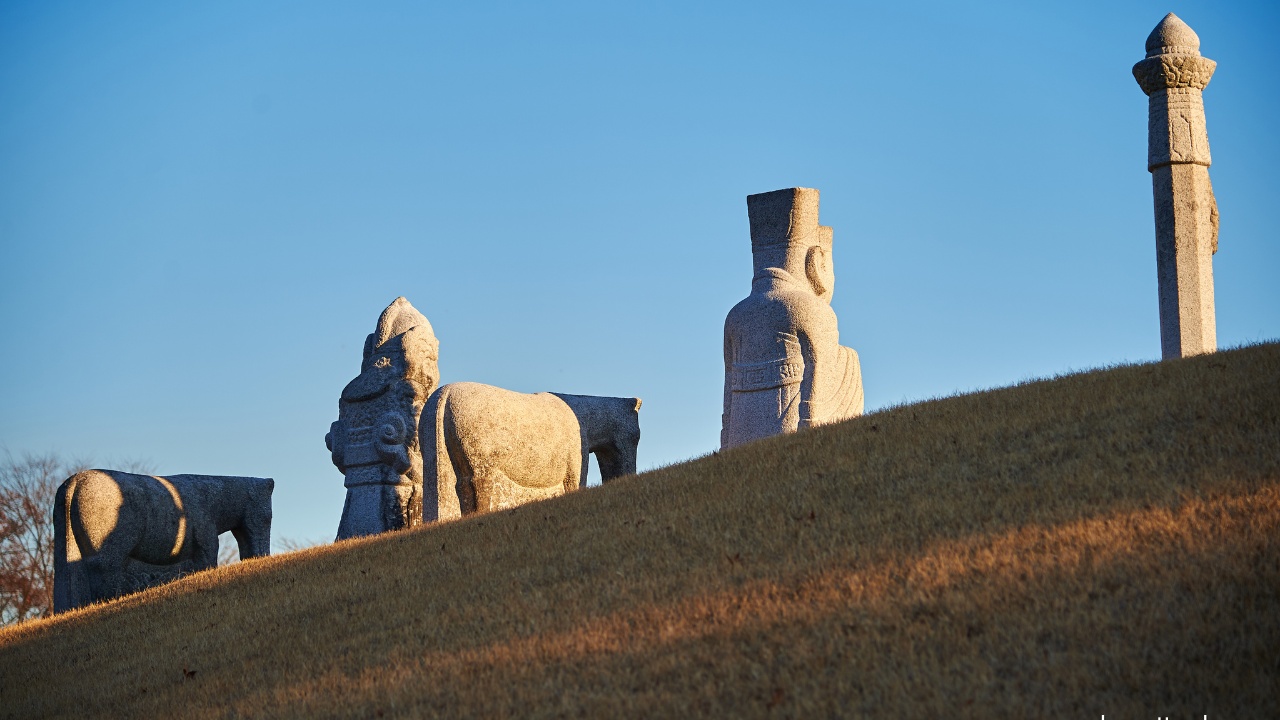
(1173, 76)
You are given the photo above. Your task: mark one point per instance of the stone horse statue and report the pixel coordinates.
(485, 448)
(117, 532)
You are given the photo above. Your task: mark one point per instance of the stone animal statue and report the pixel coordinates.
(117, 532)
(374, 442)
(487, 448)
(784, 367)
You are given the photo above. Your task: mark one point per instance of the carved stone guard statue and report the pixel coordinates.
(784, 367)
(375, 440)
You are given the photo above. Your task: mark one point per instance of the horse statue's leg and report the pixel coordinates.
(203, 536)
(577, 480)
(581, 480)
(468, 497)
(492, 490)
(252, 543)
(442, 484)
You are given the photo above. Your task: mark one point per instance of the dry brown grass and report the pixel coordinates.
(1101, 543)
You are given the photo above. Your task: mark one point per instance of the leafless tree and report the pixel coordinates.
(27, 487)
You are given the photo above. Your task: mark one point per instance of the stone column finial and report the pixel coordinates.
(1173, 75)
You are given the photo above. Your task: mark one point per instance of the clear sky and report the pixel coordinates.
(205, 206)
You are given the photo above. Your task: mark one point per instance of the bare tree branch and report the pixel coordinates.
(27, 488)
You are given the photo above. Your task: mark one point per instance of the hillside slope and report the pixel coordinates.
(1100, 543)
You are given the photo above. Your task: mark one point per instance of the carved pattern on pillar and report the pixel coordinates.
(1164, 72)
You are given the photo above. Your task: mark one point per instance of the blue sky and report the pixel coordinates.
(204, 207)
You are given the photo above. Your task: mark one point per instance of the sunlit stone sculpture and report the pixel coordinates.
(485, 448)
(1173, 76)
(117, 532)
(374, 442)
(784, 367)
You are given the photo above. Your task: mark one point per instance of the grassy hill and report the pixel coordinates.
(1107, 542)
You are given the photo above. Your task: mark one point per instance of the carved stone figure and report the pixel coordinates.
(487, 448)
(117, 532)
(784, 367)
(374, 442)
(1173, 76)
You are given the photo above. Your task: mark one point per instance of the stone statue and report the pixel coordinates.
(784, 367)
(485, 448)
(374, 442)
(117, 532)
(1173, 76)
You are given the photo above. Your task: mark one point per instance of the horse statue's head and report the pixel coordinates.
(610, 430)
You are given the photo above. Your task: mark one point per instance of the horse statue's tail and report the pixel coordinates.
(68, 573)
(439, 480)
